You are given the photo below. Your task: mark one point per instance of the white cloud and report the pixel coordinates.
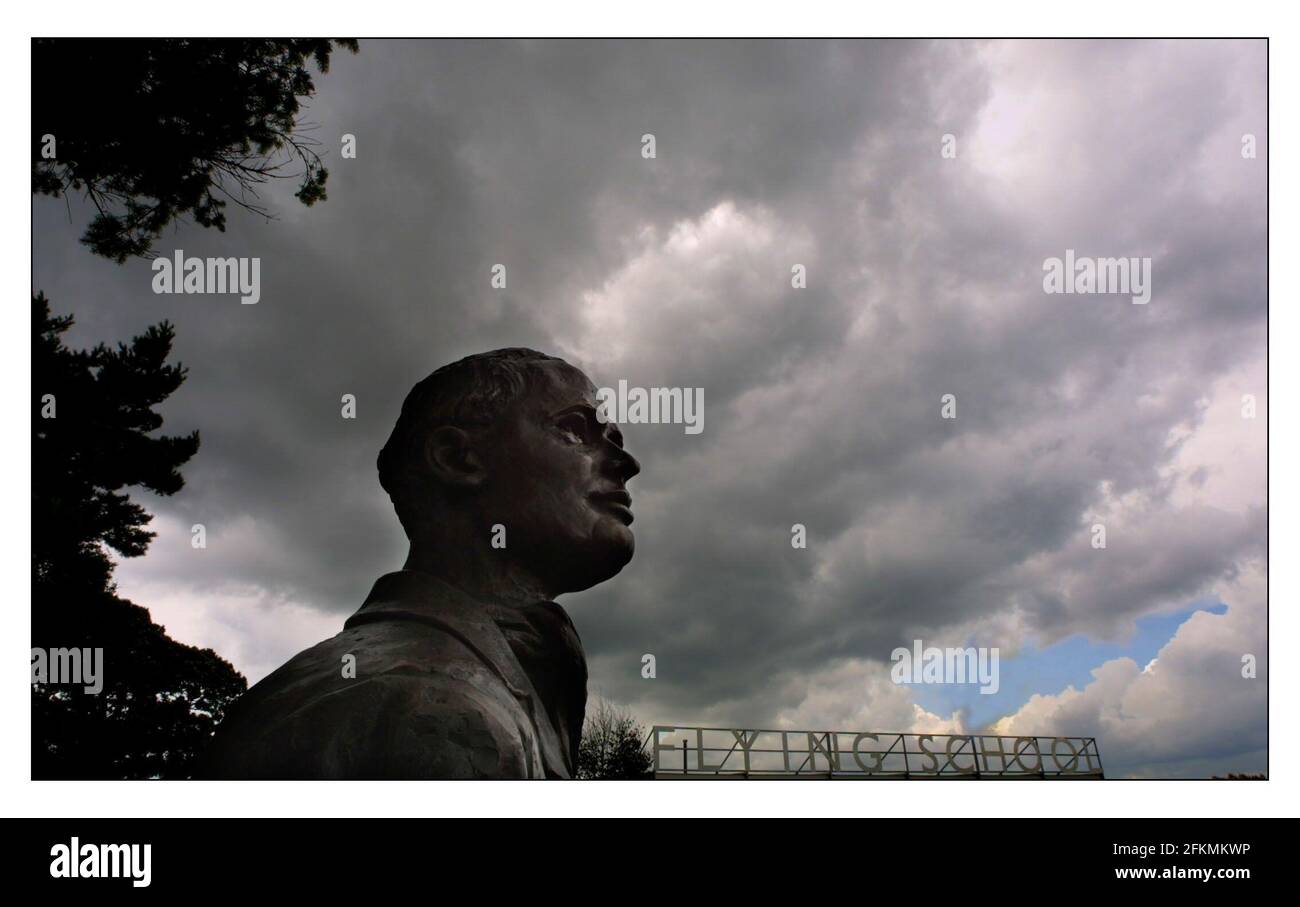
(1190, 703)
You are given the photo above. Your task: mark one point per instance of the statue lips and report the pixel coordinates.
(618, 502)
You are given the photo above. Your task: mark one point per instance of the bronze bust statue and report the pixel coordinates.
(460, 665)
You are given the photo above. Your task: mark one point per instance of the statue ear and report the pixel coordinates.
(451, 457)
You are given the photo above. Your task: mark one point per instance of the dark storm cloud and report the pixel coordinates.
(822, 405)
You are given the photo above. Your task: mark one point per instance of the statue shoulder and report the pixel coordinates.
(390, 699)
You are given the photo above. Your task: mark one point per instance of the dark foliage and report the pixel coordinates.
(98, 443)
(161, 699)
(154, 130)
(160, 703)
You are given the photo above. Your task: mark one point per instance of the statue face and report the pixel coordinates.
(556, 480)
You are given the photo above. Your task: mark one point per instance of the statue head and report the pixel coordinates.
(506, 447)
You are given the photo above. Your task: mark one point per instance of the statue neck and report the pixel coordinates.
(479, 574)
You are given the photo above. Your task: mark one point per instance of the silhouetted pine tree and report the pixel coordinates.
(92, 436)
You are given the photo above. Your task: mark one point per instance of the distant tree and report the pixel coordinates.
(611, 745)
(151, 130)
(1240, 777)
(92, 436)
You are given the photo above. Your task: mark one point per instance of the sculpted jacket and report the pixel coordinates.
(446, 686)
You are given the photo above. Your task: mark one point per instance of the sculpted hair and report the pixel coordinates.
(471, 392)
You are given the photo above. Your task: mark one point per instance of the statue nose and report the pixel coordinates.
(628, 465)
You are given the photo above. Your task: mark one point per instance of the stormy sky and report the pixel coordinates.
(822, 404)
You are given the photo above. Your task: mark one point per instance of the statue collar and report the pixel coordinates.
(482, 627)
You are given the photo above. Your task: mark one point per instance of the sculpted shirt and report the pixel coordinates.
(445, 686)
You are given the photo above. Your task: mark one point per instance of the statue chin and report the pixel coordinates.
(606, 552)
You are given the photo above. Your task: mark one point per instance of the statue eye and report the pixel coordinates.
(575, 427)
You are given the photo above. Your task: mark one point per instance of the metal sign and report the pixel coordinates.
(700, 752)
